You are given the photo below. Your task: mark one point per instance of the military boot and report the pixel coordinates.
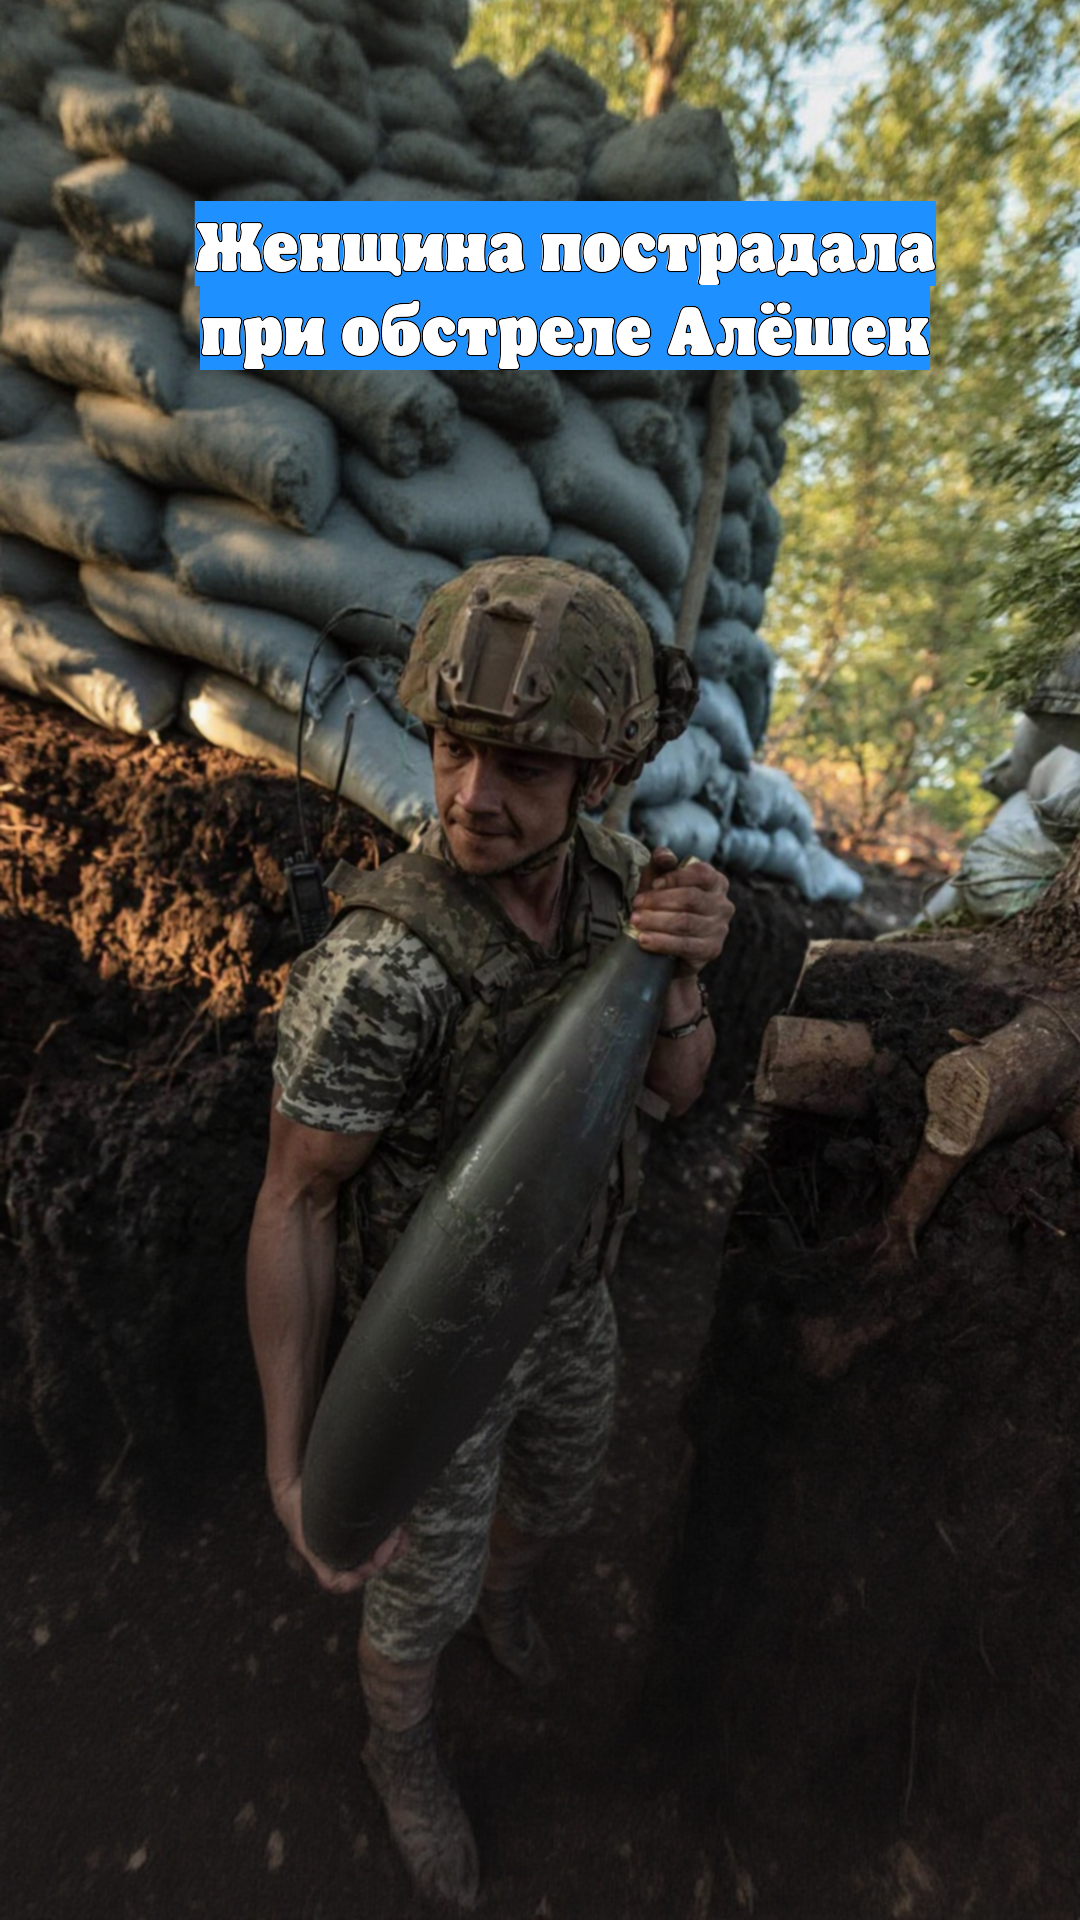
(428, 1823)
(504, 1611)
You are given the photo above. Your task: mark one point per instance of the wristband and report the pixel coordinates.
(689, 1026)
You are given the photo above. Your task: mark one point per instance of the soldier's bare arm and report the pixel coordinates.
(683, 911)
(290, 1291)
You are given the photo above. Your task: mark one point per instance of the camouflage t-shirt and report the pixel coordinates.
(367, 1017)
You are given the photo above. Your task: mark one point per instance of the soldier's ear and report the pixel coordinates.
(597, 784)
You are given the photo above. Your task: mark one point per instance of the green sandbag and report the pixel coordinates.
(117, 207)
(82, 336)
(232, 552)
(387, 771)
(31, 159)
(55, 490)
(402, 420)
(268, 650)
(60, 652)
(231, 434)
(483, 501)
(31, 572)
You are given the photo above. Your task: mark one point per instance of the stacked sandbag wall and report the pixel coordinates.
(172, 541)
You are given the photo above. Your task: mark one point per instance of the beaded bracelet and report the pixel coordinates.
(689, 1026)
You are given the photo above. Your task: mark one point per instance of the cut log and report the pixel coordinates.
(818, 1066)
(1014, 1080)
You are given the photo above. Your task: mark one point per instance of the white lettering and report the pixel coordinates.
(304, 336)
(222, 336)
(400, 333)
(906, 337)
(436, 340)
(838, 253)
(422, 252)
(238, 243)
(867, 337)
(598, 329)
(797, 254)
(478, 330)
(637, 260)
(516, 337)
(719, 254)
(556, 335)
(320, 252)
(757, 253)
(561, 254)
(676, 246)
(690, 334)
(737, 333)
(262, 340)
(466, 251)
(370, 253)
(506, 254)
(279, 252)
(632, 336)
(601, 252)
(913, 246)
(359, 336)
(817, 336)
(880, 250)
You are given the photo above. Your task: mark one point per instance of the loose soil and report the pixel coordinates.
(181, 1714)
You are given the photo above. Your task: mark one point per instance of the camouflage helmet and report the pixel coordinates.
(535, 653)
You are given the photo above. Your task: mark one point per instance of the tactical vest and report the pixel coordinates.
(507, 987)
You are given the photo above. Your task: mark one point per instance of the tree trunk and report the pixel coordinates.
(667, 52)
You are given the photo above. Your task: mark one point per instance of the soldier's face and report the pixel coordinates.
(500, 805)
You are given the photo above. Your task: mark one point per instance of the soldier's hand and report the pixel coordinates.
(682, 910)
(287, 1507)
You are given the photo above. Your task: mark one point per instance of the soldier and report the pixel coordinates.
(538, 686)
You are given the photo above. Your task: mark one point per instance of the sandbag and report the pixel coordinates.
(24, 398)
(536, 183)
(718, 794)
(767, 798)
(520, 402)
(30, 51)
(734, 549)
(1058, 769)
(31, 159)
(156, 284)
(679, 770)
(393, 42)
(683, 154)
(680, 470)
(1055, 704)
(719, 709)
(647, 431)
(114, 206)
(766, 530)
(326, 59)
(61, 652)
(1059, 815)
(744, 849)
(435, 156)
(750, 674)
(743, 487)
(95, 24)
(268, 650)
(785, 859)
(557, 139)
(747, 602)
(1009, 864)
(552, 83)
(1012, 770)
(379, 184)
(177, 43)
(54, 490)
(30, 572)
(492, 106)
(482, 502)
(387, 771)
(829, 878)
(690, 830)
(232, 552)
(193, 140)
(230, 433)
(410, 96)
(585, 478)
(84, 337)
(602, 557)
(403, 421)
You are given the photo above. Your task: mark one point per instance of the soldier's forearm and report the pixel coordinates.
(679, 1063)
(290, 1293)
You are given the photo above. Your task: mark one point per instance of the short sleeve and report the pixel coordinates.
(365, 1022)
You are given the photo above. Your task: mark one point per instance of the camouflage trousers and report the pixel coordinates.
(536, 1455)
